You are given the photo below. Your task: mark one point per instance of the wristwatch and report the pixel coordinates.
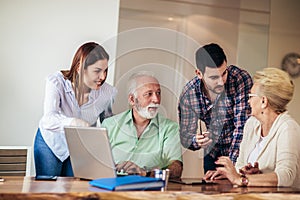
(244, 180)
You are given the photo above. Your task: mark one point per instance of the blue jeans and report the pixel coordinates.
(46, 163)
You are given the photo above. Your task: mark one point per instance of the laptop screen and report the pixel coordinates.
(90, 152)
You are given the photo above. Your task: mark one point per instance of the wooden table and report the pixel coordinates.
(72, 188)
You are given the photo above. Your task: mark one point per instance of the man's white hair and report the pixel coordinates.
(132, 81)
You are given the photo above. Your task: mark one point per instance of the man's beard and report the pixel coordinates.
(144, 111)
(218, 89)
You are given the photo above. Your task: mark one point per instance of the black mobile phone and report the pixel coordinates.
(45, 178)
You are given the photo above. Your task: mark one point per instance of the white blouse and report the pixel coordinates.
(257, 149)
(61, 107)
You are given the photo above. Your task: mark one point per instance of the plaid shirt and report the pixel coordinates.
(224, 118)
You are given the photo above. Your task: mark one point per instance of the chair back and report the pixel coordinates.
(15, 160)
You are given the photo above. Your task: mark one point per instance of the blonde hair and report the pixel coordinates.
(277, 86)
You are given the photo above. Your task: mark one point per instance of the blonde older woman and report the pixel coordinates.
(270, 150)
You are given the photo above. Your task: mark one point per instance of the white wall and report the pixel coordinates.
(285, 38)
(37, 38)
(252, 52)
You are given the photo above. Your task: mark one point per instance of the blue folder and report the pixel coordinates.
(130, 182)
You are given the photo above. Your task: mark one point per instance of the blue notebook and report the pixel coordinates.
(130, 182)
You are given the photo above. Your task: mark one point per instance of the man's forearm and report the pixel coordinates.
(175, 168)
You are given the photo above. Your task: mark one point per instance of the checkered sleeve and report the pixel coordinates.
(188, 120)
(241, 109)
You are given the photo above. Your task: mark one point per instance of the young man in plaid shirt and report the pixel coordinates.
(218, 96)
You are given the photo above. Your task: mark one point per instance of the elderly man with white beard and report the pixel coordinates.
(142, 139)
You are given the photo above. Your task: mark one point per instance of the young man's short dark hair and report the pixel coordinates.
(210, 55)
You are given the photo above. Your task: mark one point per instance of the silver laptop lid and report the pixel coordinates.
(90, 152)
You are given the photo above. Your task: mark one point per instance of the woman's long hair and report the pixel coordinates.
(86, 55)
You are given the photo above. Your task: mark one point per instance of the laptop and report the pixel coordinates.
(90, 152)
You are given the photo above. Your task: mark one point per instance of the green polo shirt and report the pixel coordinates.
(158, 145)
